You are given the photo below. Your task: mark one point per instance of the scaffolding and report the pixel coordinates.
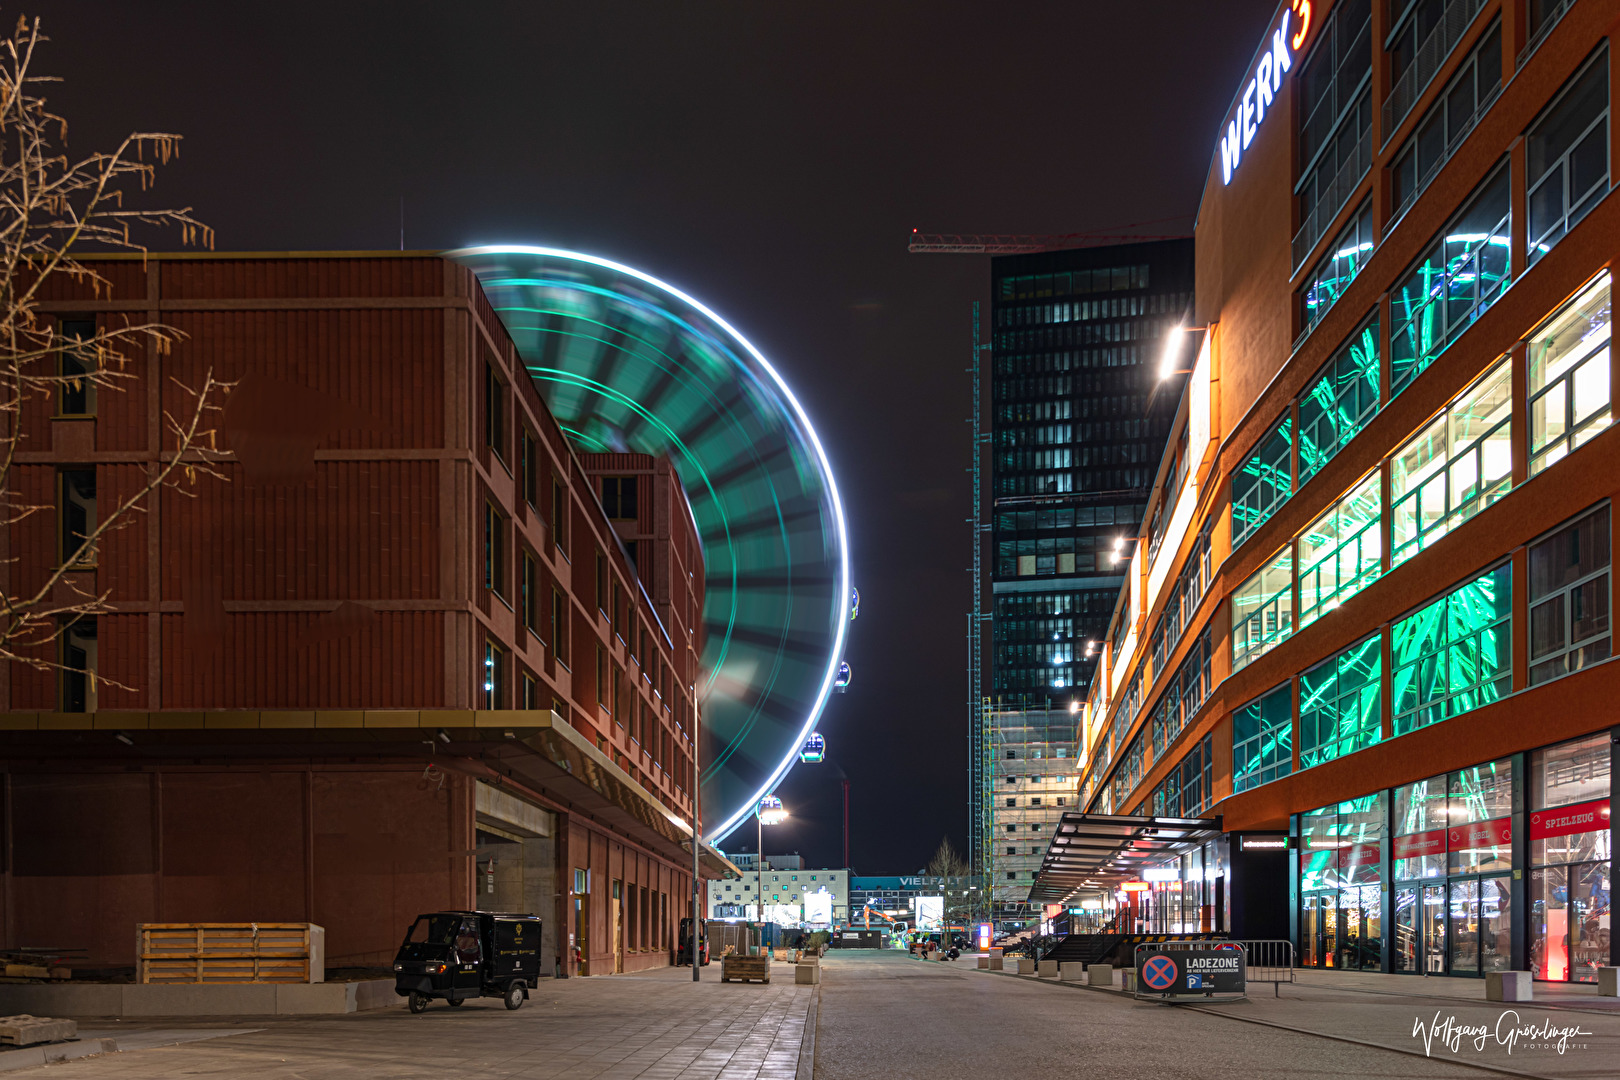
(978, 852)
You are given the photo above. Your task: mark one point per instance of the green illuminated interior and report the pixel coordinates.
(1263, 739)
(1339, 403)
(1454, 654)
(1262, 483)
(1341, 704)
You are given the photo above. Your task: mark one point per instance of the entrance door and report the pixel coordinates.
(1463, 913)
(1330, 930)
(1310, 933)
(1588, 920)
(616, 921)
(1404, 949)
(1433, 927)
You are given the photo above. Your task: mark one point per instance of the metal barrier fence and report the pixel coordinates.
(1264, 961)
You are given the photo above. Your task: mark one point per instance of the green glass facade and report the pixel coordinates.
(1341, 703)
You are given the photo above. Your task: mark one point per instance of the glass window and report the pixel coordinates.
(495, 526)
(1449, 119)
(1262, 483)
(1341, 552)
(1335, 174)
(1262, 740)
(1420, 829)
(1465, 269)
(1336, 269)
(1332, 76)
(1480, 829)
(1455, 467)
(1340, 402)
(1569, 598)
(1573, 779)
(1569, 376)
(1567, 157)
(78, 367)
(1319, 850)
(1263, 610)
(1341, 704)
(1454, 654)
(494, 688)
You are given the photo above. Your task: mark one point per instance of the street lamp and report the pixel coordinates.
(768, 812)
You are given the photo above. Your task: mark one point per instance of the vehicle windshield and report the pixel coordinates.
(434, 930)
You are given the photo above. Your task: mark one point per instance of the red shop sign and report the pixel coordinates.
(1412, 845)
(1565, 820)
(1498, 832)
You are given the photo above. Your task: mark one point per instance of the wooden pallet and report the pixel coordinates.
(227, 952)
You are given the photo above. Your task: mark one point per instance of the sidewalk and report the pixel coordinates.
(655, 1025)
(1440, 1018)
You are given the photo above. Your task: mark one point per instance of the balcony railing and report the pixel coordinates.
(1431, 55)
(1550, 18)
(1332, 201)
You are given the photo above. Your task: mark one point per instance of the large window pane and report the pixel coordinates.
(1263, 483)
(1480, 836)
(1473, 89)
(1569, 376)
(1340, 704)
(1569, 598)
(1420, 829)
(1340, 402)
(1341, 552)
(1569, 785)
(1262, 740)
(1459, 464)
(1336, 269)
(1263, 610)
(1465, 269)
(1454, 654)
(1567, 157)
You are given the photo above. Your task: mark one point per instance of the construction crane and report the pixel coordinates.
(1020, 243)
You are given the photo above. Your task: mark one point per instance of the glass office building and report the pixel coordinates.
(1078, 422)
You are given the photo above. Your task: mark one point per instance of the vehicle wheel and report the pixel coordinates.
(514, 996)
(455, 1003)
(418, 1003)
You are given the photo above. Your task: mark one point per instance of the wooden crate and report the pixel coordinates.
(745, 968)
(231, 952)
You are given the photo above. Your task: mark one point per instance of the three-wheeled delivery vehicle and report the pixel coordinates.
(458, 955)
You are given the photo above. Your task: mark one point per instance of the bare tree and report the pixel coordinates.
(53, 209)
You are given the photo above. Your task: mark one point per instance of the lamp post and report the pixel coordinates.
(768, 812)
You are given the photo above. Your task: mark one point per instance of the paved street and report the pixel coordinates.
(883, 1016)
(879, 1016)
(656, 1026)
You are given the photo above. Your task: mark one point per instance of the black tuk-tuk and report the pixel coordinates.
(458, 955)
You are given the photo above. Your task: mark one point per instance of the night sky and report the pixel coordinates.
(770, 158)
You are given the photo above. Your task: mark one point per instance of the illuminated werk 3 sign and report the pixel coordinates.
(1263, 89)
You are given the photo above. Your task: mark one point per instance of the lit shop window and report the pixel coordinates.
(1455, 467)
(1262, 740)
(1341, 552)
(1262, 484)
(1567, 157)
(1340, 402)
(1341, 703)
(1569, 598)
(1263, 610)
(1569, 376)
(1462, 274)
(1455, 654)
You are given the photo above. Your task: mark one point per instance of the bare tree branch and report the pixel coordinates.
(53, 210)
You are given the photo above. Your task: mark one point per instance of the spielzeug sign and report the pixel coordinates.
(1193, 971)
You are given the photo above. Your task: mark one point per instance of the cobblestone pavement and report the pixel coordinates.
(655, 1026)
(883, 1016)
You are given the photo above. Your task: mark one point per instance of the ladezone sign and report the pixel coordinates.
(1264, 89)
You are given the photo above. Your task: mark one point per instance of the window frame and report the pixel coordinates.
(1276, 757)
(1270, 483)
(1564, 594)
(1410, 536)
(1256, 643)
(1576, 430)
(495, 411)
(496, 544)
(493, 694)
(70, 354)
(1348, 377)
(1347, 535)
(1324, 703)
(1573, 211)
(1433, 709)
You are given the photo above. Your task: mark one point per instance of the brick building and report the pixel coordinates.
(1368, 627)
(401, 660)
